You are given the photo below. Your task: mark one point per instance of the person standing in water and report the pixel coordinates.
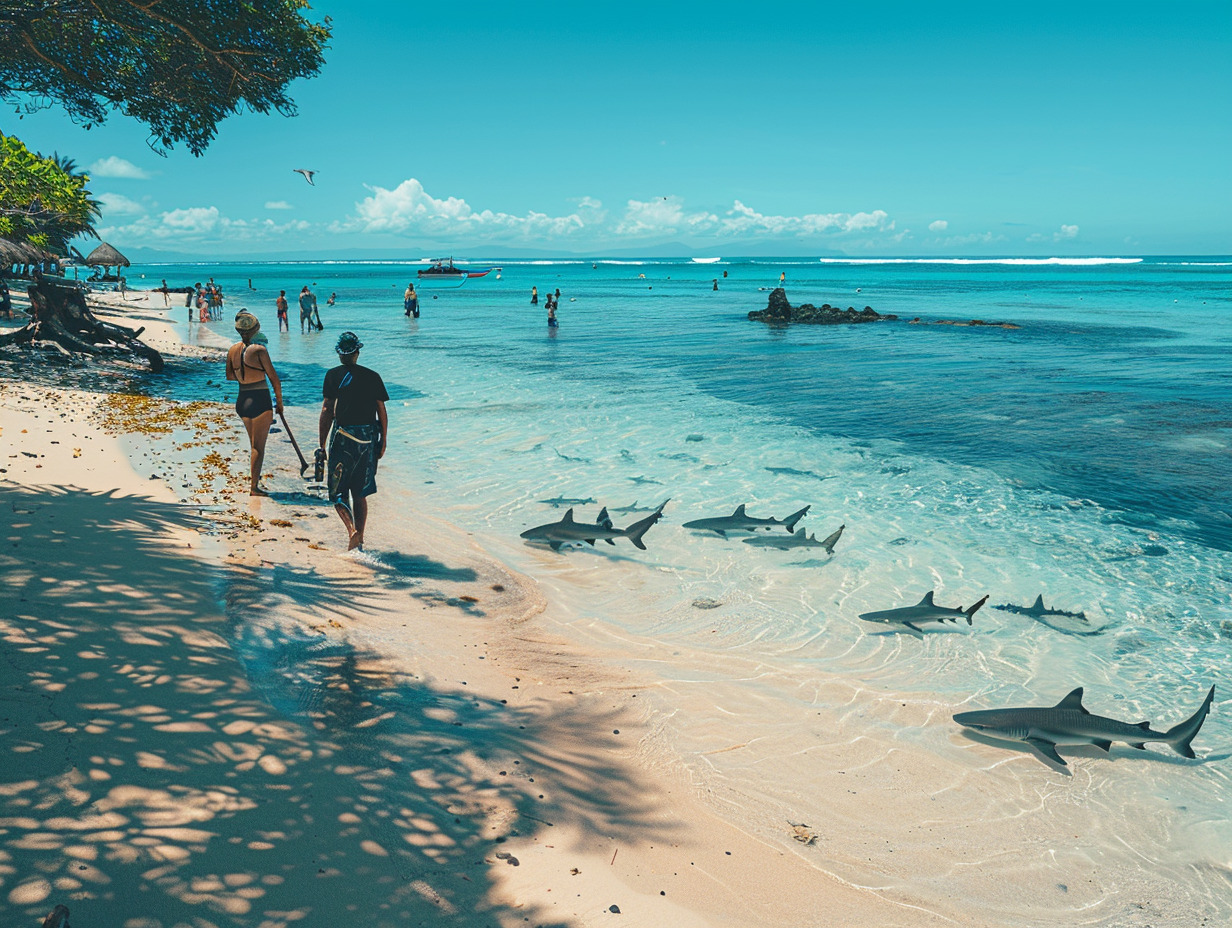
(353, 409)
(782, 278)
(283, 323)
(534, 296)
(249, 364)
(551, 312)
(410, 301)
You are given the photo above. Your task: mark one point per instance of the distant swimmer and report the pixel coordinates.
(332, 298)
(857, 289)
(534, 296)
(716, 283)
(307, 174)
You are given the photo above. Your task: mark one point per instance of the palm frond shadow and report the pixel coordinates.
(171, 763)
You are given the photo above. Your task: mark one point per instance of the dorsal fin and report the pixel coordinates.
(800, 534)
(568, 515)
(604, 519)
(927, 600)
(1145, 726)
(1039, 603)
(739, 511)
(1073, 702)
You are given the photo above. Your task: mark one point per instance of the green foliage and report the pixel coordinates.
(180, 66)
(40, 202)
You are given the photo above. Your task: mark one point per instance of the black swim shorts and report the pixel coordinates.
(352, 463)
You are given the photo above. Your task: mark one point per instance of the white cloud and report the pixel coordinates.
(114, 166)
(1064, 234)
(939, 226)
(662, 216)
(278, 204)
(118, 204)
(408, 208)
(201, 224)
(975, 238)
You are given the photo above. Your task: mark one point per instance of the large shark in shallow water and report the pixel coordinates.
(798, 540)
(567, 530)
(739, 521)
(910, 617)
(1068, 722)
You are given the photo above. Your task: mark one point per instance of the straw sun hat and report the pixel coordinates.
(246, 323)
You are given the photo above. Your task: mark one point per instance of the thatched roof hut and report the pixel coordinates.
(105, 256)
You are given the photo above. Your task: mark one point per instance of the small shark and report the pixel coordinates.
(1044, 615)
(568, 501)
(798, 540)
(924, 611)
(634, 508)
(793, 472)
(567, 530)
(1038, 610)
(1068, 722)
(738, 521)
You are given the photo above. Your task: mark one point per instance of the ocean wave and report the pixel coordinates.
(1069, 262)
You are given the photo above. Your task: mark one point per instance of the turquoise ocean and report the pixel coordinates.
(1085, 455)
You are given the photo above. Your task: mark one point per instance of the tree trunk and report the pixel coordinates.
(59, 314)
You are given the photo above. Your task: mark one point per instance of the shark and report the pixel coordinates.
(798, 540)
(567, 530)
(634, 508)
(568, 501)
(794, 472)
(739, 521)
(1046, 616)
(1069, 722)
(925, 610)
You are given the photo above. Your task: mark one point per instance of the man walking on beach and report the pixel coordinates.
(354, 407)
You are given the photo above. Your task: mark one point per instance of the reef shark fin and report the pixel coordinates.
(927, 600)
(1048, 749)
(1074, 702)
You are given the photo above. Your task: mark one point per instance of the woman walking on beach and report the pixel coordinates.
(250, 364)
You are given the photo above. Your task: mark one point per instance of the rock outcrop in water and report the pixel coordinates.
(780, 312)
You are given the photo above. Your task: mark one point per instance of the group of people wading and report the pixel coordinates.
(353, 424)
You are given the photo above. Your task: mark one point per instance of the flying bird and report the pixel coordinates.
(307, 174)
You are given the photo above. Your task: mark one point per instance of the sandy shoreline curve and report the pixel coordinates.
(213, 716)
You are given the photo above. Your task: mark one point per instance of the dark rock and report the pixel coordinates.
(779, 311)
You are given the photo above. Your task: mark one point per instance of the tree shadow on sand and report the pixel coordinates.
(165, 765)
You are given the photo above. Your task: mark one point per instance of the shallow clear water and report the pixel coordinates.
(1084, 455)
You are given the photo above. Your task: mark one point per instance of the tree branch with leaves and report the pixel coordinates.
(179, 66)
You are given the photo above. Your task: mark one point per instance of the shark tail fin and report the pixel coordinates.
(795, 517)
(1179, 736)
(639, 528)
(832, 540)
(975, 608)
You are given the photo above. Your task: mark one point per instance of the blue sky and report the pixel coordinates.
(861, 129)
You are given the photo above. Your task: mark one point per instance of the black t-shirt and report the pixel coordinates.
(357, 390)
